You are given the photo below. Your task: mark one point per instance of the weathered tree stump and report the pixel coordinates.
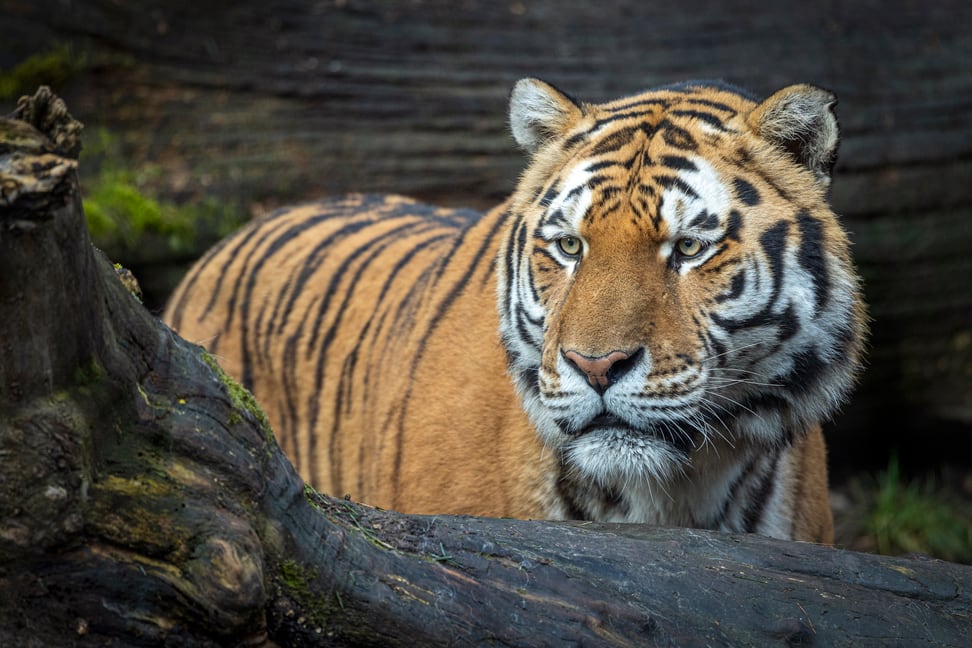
(144, 501)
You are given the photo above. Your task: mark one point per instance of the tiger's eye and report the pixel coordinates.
(569, 245)
(689, 247)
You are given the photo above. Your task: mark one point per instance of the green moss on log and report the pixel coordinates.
(241, 398)
(297, 581)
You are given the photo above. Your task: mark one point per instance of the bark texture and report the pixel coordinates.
(143, 501)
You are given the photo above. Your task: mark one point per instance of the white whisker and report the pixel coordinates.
(738, 370)
(712, 409)
(729, 382)
(727, 352)
(735, 402)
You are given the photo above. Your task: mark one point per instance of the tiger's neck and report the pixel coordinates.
(728, 489)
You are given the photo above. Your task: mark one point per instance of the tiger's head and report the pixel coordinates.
(673, 277)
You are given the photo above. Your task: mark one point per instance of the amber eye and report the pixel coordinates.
(569, 245)
(689, 247)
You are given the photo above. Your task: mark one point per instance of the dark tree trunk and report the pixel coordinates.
(143, 501)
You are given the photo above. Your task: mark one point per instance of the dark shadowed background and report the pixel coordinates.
(200, 115)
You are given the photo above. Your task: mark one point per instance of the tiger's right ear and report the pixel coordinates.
(540, 112)
(800, 120)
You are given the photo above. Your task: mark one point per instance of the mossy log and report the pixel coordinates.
(143, 501)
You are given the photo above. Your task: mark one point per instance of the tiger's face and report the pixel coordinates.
(674, 280)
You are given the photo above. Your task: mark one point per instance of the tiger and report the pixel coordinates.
(650, 329)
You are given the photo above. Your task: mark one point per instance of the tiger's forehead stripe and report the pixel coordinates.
(718, 105)
(704, 117)
(655, 111)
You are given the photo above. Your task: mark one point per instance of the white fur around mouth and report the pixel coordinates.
(618, 455)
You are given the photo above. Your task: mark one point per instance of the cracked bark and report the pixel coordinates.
(143, 500)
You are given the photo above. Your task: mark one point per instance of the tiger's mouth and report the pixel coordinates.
(605, 420)
(600, 422)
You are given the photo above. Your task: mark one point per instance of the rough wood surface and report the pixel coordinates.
(144, 502)
(272, 102)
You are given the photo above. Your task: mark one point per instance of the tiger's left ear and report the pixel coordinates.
(540, 112)
(800, 120)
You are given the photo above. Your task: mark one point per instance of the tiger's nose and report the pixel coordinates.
(602, 371)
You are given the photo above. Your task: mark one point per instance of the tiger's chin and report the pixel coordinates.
(612, 454)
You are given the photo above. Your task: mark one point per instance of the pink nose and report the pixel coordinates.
(601, 372)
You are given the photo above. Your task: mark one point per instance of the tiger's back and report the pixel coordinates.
(357, 329)
(650, 329)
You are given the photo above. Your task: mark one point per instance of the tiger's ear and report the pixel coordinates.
(800, 120)
(540, 112)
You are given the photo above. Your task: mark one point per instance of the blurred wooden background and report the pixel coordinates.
(262, 104)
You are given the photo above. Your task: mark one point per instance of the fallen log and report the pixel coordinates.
(143, 500)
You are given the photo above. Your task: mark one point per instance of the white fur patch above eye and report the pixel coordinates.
(576, 197)
(699, 191)
(567, 209)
